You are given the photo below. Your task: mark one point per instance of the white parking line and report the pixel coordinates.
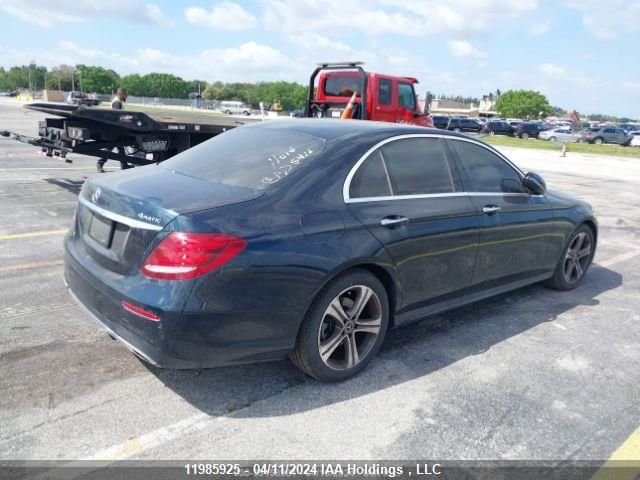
(619, 258)
(155, 438)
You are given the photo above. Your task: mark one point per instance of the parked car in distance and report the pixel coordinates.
(297, 113)
(635, 141)
(83, 98)
(602, 135)
(629, 127)
(237, 108)
(497, 127)
(529, 129)
(311, 239)
(560, 135)
(440, 121)
(464, 125)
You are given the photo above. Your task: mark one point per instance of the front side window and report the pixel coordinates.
(486, 171)
(406, 97)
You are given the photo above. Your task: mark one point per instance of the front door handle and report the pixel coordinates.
(491, 209)
(394, 221)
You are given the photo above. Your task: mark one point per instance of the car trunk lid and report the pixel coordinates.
(120, 214)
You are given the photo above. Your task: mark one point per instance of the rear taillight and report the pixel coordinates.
(184, 255)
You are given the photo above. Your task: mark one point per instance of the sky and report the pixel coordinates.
(582, 54)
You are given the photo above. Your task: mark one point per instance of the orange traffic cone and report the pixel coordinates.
(346, 114)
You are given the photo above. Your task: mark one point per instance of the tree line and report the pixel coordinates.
(291, 95)
(96, 79)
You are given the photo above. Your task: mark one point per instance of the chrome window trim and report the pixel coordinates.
(439, 195)
(347, 182)
(120, 218)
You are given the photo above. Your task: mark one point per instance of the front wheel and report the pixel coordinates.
(524, 135)
(456, 130)
(598, 141)
(344, 327)
(576, 259)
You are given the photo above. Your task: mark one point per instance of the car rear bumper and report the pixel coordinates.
(183, 340)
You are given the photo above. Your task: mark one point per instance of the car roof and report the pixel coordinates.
(329, 129)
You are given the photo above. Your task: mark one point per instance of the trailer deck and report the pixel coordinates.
(131, 137)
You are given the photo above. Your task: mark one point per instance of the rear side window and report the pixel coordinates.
(371, 179)
(418, 166)
(486, 171)
(253, 158)
(384, 91)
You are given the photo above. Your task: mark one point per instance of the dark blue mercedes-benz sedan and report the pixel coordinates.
(311, 238)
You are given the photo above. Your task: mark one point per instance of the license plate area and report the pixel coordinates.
(101, 230)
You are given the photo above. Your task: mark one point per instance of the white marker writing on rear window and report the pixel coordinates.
(283, 163)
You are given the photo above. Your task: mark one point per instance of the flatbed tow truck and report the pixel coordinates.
(137, 138)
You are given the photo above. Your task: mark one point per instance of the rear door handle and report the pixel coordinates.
(393, 221)
(491, 209)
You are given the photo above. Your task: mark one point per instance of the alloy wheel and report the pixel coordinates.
(349, 328)
(577, 258)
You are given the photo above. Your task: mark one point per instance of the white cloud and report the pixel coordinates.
(610, 19)
(464, 49)
(339, 17)
(540, 28)
(47, 14)
(464, 18)
(551, 69)
(224, 16)
(249, 61)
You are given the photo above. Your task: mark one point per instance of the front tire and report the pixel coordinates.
(598, 141)
(576, 259)
(524, 136)
(344, 327)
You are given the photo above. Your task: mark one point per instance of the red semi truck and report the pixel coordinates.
(384, 98)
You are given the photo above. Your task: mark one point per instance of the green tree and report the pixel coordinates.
(213, 91)
(96, 79)
(133, 84)
(164, 85)
(523, 104)
(61, 78)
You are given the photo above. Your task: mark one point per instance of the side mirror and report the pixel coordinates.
(535, 183)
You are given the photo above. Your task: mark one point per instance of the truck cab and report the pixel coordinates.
(379, 97)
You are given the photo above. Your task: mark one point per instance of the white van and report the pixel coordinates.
(235, 107)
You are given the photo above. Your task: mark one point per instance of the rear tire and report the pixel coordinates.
(456, 130)
(524, 136)
(552, 139)
(575, 260)
(337, 339)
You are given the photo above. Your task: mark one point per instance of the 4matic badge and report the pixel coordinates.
(149, 218)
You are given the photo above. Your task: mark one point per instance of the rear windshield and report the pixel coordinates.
(253, 158)
(342, 86)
